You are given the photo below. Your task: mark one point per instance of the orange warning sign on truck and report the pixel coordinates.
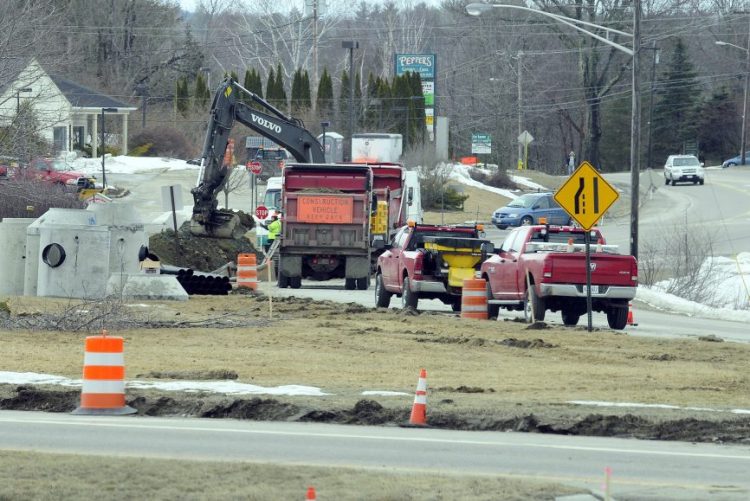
(325, 209)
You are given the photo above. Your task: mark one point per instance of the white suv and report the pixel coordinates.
(683, 168)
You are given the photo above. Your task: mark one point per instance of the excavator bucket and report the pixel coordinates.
(224, 224)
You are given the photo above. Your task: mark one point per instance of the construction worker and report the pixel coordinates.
(274, 230)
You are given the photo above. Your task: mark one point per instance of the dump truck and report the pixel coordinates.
(326, 224)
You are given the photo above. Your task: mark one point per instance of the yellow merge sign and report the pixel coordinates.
(586, 195)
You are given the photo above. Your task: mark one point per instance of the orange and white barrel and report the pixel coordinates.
(474, 299)
(103, 391)
(247, 271)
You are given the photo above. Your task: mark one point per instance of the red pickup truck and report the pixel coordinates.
(541, 268)
(431, 262)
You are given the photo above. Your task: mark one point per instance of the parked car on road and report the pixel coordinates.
(679, 168)
(55, 171)
(527, 209)
(736, 161)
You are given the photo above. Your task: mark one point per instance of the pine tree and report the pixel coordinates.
(296, 92)
(271, 87)
(256, 84)
(182, 96)
(306, 97)
(358, 115)
(719, 126)
(344, 101)
(281, 102)
(202, 94)
(675, 111)
(247, 83)
(417, 112)
(324, 99)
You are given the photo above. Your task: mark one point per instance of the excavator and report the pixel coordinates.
(227, 107)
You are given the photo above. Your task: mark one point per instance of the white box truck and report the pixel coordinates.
(374, 147)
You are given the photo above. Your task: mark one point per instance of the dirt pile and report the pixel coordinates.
(201, 253)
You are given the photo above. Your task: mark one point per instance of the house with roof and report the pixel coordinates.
(70, 115)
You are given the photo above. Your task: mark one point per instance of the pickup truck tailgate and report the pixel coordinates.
(606, 269)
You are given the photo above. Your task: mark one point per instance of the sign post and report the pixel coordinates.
(481, 144)
(586, 196)
(525, 139)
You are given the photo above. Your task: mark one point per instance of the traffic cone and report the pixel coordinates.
(419, 409)
(310, 496)
(630, 315)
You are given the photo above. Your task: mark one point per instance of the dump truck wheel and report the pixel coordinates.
(363, 283)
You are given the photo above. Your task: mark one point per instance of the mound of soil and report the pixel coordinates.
(200, 253)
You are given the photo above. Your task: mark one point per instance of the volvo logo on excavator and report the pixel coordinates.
(266, 123)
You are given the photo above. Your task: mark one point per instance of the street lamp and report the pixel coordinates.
(477, 9)
(104, 174)
(18, 98)
(351, 45)
(744, 102)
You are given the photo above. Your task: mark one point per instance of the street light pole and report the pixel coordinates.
(477, 9)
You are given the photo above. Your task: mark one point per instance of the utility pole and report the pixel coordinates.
(744, 102)
(351, 45)
(520, 110)
(315, 45)
(651, 102)
(635, 130)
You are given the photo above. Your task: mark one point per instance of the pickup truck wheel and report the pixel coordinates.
(295, 282)
(617, 318)
(382, 296)
(350, 284)
(409, 298)
(570, 318)
(674, 183)
(363, 283)
(493, 310)
(527, 220)
(534, 304)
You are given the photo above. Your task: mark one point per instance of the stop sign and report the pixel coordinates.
(261, 211)
(255, 167)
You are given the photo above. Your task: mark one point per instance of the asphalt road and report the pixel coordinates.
(720, 207)
(654, 470)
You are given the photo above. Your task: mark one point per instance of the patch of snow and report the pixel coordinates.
(128, 165)
(226, 387)
(594, 403)
(384, 393)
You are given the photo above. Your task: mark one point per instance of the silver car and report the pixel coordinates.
(687, 168)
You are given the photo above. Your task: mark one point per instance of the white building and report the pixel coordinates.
(68, 113)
